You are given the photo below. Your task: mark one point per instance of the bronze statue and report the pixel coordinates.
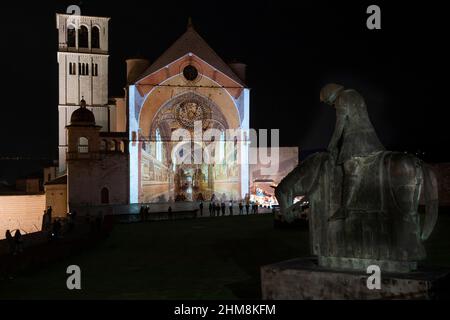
(363, 200)
(354, 138)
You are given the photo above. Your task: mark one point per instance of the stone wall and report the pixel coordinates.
(23, 212)
(56, 197)
(87, 178)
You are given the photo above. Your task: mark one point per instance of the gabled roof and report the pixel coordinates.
(58, 181)
(191, 42)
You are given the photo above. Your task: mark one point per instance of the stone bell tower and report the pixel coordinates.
(83, 71)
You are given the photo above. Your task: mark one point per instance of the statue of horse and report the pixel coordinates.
(383, 226)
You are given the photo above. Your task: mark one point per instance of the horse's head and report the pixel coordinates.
(300, 182)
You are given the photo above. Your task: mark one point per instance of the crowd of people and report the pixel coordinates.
(220, 208)
(216, 208)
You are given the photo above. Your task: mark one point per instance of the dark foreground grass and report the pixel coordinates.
(211, 258)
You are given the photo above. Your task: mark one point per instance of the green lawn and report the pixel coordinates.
(210, 258)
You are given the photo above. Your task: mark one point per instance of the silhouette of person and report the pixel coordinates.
(141, 213)
(217, 209)
(18, 241)
(230, 205)
(201, 208)
(147, 212)
(11, 242)
(169, 211)
(211, 209)
(71, 218)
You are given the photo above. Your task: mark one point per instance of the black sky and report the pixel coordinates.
(292, 49)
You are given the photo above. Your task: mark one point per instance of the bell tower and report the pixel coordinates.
(82, 155)
(83, 72)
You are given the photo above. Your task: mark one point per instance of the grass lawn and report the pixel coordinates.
(210, 258)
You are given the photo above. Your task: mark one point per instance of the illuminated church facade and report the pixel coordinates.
(134, 149)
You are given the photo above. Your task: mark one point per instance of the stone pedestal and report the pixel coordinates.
(303, 279)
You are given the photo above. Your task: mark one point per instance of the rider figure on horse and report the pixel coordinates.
(354, 138)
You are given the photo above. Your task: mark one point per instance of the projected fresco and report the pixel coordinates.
(169, 169)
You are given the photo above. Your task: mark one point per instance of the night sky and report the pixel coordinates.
(292, 50)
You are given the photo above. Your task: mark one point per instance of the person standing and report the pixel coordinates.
(241, 208)
(71, 218)
(11, 242)
(218, 208)
(230, 205)
(247, 207)
(169, 213)
(18, 241)
(47, 219)
(44, 221)
(49, 212)
(147, 212)
(141, 213)
(222, 205)
(217, 205)
(211, 209)
(201, 208)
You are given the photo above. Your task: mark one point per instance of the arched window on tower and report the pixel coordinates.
(87, 69)
(95, 38)
(71, 36)
(83, 37)
(83, 145)
(158, 146)
(104, 195)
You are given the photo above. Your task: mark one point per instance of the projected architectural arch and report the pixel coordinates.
(174, 170)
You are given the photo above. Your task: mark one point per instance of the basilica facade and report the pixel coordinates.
(155, 144)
